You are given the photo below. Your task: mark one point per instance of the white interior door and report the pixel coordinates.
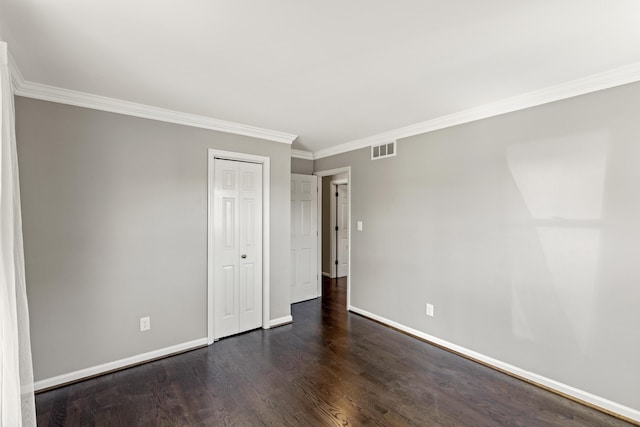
(238, 247)
(340, 230)
(304, 237)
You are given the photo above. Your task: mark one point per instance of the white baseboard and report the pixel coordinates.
(281, 321)
(326, 274)
(600, 402)
(133, 360)
(118, 364)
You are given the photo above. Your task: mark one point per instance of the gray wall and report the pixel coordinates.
(523, 230)
(301, 166)
(115, 228)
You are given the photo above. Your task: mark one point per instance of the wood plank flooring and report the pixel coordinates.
(328, 368)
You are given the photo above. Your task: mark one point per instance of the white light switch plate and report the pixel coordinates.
(145, 323)
(430, 310)
(359, 225)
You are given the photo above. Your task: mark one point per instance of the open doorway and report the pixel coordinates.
(336, 256)
(334, 219)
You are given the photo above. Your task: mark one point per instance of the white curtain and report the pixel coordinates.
(16, 372)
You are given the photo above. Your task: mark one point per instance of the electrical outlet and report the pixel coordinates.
(145, 323)
(429, 309)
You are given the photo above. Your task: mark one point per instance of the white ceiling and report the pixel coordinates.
(329, 71)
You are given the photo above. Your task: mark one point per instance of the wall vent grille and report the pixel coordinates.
(381, 151)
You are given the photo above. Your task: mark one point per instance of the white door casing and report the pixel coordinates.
(304, 237)
(340, 236)
(249, 206)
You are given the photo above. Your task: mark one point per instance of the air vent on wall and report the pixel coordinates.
(380, 151)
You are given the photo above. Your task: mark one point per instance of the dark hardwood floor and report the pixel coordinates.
(329, 367)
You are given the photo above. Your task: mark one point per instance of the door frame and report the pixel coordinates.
(321, 174)
(213, 154)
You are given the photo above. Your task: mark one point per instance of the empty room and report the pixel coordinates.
(244, 213)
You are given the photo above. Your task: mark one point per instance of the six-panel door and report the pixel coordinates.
(238, 247)
(304, 237)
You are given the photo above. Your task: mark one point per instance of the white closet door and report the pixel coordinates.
(238, 247)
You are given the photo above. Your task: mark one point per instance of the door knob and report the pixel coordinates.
(243, 256)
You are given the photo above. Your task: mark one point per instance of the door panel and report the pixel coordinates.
(250, 222)
(248, 280)
(306, 266)
(228, 179)
(305, 215)
(238, 247)
(228, 222)
(304, 237)
(229, 289)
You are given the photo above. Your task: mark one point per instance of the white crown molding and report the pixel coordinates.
(600, 81)
(605, 80)
(607, 406)
(102, 103)
(301, 154)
